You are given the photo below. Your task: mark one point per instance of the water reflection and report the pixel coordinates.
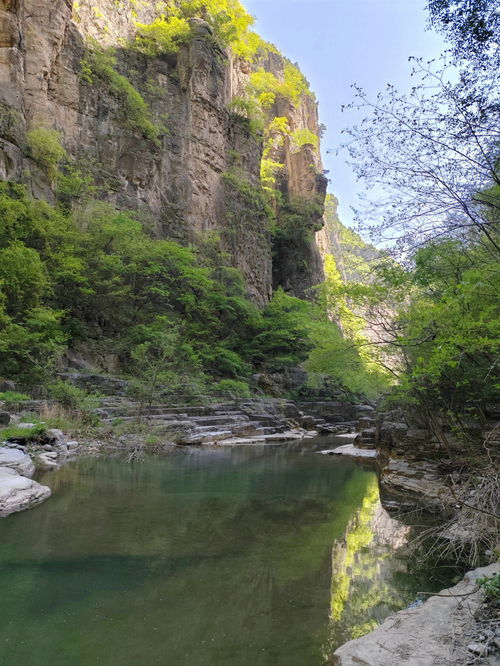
(198, 559)
(366, 562)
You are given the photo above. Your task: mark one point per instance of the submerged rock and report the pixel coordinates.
(18, 492)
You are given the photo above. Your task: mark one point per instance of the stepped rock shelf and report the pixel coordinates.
(249, 422)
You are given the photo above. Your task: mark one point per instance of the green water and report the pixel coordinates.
(245, 557)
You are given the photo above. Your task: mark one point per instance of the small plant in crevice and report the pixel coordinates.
(99, 63)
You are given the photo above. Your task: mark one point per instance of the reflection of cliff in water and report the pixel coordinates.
(368, 581)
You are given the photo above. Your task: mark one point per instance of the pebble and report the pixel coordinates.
(478, 648)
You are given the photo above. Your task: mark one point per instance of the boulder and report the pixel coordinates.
(56, 436)
(47, 460)
(18, 492)
(16, 460)
(6, 385)
(4, 418)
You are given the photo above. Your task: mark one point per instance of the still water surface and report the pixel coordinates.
(252, 556)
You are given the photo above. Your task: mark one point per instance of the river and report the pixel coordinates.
(249, 556)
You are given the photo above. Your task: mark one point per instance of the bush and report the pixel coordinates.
(491, 587)
(232, 388)
(304, 137)
(102, 63)
(249, 109)
(163, 36)
(45, 147)
(77, 400)
(13, 400)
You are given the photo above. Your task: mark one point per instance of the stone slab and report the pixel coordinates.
(350, 450)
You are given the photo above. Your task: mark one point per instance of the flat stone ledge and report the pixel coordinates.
(350, 450)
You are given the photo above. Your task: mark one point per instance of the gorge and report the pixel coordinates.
(186, 324)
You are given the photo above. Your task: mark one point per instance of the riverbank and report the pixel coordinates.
(446, 630)
(128, 425)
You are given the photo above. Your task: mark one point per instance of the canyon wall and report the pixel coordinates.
(195, 176)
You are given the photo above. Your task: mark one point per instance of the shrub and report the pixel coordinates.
(45, 148)
(304, 137)
(13, 400)
(232, 388)
(163, 36)
(14, 433)
(491, 587)
(78, 401)
(102, 63)
(249, 109)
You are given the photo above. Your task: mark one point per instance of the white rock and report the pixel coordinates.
(350, 450)
(72, 445)
(17, 460)
(18, 493)
(46, 461)
(56, 435)
(478, 648)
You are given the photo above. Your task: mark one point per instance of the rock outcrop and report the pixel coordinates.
(438, 632)
(176, 181)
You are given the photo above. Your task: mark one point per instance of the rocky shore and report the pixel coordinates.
(127, 424)
(18, 462)
(446, 630)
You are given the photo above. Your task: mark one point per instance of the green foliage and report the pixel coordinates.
(304, 137)
(296, 82)
(452, 326)
(250, 110)
(44, 145)
(101, 63)
(293, 86)
(269, 170)
(74, 186)
(72, 397)
(232, 388)
(283, 340)
(162, 36)
(491, 586)
(23, 278)
(175, 316)
(299, 219)
(13, 400)
(14, 433)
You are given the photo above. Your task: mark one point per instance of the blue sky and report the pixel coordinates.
(340, 42)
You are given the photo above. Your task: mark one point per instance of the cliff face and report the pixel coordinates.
(176, 182)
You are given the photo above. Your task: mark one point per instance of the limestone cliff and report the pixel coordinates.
(176, 180)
